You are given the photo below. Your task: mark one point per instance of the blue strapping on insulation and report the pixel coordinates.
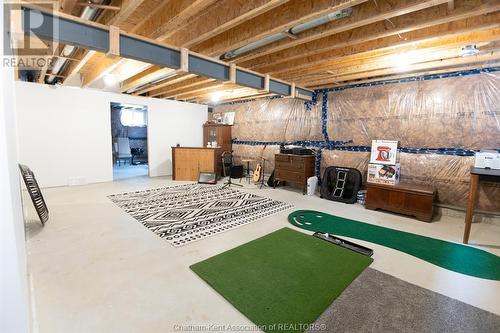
(415, 78)
(324, 117)
(384, 82)
(341, 145)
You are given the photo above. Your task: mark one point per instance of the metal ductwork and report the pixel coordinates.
(155, 81)
(282, 35)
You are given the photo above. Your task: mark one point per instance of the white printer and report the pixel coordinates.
(487, 159)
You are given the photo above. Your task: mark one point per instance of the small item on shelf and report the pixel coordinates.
(228, 118)
(384, 152)
(218, 118)
(487, 159)
(383, 173)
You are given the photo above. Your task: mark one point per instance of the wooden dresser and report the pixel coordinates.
(294, 169)
(187, 162)
(402, 198)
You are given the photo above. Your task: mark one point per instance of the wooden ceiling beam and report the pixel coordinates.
(419, 38)
(208, 90)
(67, 6)
(168, 82)
(400, 61)
(223, 15)
(397, 25)
(239, 96)
(127, 8)
(409, 75)
(364, 14)
(194, 89)
(170, 17)
(207, 99)
(416, 68)
(140, 79)
(181, 87)
(280, 19)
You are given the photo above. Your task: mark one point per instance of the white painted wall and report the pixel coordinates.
(13, 273)
(65, 132)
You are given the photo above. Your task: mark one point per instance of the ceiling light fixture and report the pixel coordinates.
(216, 96)
(402, 61)
(469, 50)
(110, 80)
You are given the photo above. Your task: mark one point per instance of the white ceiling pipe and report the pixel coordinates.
(321, 20)
(148, 84)
(295, 30)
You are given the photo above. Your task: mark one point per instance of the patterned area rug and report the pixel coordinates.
(186, 213)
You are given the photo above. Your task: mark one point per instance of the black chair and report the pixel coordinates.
(231, 170)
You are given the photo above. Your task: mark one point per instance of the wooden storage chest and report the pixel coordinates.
(402, 198)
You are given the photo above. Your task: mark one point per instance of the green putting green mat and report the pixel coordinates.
(283, 281)
(455, 257)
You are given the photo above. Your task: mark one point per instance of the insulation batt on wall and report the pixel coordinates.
(458, 112)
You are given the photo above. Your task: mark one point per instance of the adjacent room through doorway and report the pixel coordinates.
(129, 133)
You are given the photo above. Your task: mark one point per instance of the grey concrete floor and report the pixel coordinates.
(93, 268)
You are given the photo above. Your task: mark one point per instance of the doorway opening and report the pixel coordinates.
(129, 133)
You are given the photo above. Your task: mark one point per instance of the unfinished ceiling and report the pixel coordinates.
(313, 43)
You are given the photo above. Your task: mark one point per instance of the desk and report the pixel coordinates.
(476, 175)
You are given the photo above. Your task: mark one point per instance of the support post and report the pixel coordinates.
(114, 42)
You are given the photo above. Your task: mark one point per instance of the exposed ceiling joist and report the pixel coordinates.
(196, 93)
(493, 57)
(364, 14)
(223, 15)
(166, 83)
(399, 76)
(170, 17)
(427, 37)
(395, 26)
(180, 87)
(280, 19)
(196, 89)
(394, 60)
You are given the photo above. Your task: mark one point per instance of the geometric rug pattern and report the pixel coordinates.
(186, 213)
